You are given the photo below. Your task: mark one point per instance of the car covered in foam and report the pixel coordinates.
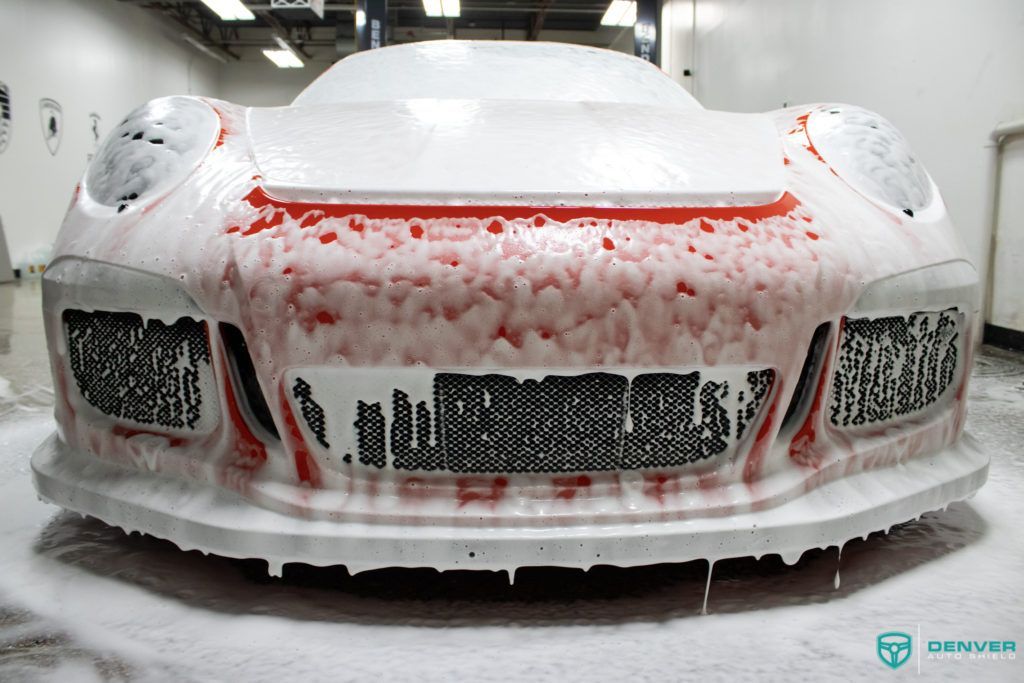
(487, 305)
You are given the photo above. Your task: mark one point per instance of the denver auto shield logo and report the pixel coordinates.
(894, 648)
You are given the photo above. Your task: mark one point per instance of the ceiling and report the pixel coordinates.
(330, 37)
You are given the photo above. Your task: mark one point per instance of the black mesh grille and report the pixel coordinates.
(580, 423)
(495, 423)
(147, 373)
(311, 412)
(893, 367)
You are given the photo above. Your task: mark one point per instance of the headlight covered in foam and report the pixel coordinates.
(152, 150)
(872, 156)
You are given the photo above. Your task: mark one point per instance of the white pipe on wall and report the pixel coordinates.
(997, 137)
(1006, 129)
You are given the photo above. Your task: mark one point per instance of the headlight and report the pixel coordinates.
(154, 149)
(872, 156)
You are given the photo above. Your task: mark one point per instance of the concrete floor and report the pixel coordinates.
(81, 601)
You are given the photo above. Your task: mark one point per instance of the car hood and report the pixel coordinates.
(431, 151)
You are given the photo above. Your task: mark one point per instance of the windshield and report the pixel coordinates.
(495, 70)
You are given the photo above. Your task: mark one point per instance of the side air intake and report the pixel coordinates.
(894, 368)
(803, 393)
(143, 373)
(243, 377)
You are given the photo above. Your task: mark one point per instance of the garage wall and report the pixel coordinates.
(256, 82)
(97, 57)
(1008, 283)
(944, 71)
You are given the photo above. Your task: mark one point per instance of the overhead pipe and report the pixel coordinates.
(997, 137)
(510, 9)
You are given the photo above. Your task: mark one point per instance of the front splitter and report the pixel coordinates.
(202, 517)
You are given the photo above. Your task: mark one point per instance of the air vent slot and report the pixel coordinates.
(806, 385)
(243, 376)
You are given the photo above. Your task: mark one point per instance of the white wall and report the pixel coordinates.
(943, 71)
(97, 56)
(256, 82)
(1008, 295)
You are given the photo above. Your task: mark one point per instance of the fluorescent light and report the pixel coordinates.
(287, 60)
(451, 8)
(433, 8)
(442, 8)
(360, 18)
(620, 13)
(284, 59)
(230, 10)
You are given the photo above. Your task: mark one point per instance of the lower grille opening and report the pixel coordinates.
(503, 424)
(243, 377)
(803, 393)
(143, 372)
(895, 367)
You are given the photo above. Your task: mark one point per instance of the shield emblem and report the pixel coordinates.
(52, 119)
(94, 126)
(5, 116)
(894, 648)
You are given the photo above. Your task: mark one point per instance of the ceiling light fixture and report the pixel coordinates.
(433, 8)
(620, 13)
(442, 8)
(230, 10)
(284, 59)
(451, 8)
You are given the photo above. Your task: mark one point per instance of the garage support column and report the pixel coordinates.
(371, 24)
(646, 29)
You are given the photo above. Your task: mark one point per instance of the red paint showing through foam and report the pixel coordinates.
(568, 487)
(657, 486)
(74, 196)
(305, 466)
(126, 433)
(258, 198)
(248, 446)
(752, 468)
(801, 448)
(479, 489)
(223, 133)
(802, 120)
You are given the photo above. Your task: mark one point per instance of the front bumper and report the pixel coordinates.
(342, 314)
(211, 519)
